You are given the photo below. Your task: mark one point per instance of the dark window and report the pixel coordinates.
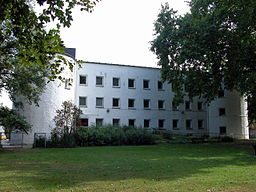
(131, 103)
(199, 106)
(175, 123)
(146, 123)
(116, 122)
(160, 85)
(161, 123)
(223, 130)
(222, 111)
(82, 80)
(99, 122)
(187, 105)
(99, 81)
(160, 104)
(131, 122)
(82, 101)
(68, 84)
(200, 124)
(131, 83)
(221, 93)
(84, 122)
(116, 103)
(145, 84)
(99, 102)
(146, 103)
(175, 106)
(189, 124)
(116, 82)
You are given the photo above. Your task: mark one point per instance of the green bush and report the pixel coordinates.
(109, 135)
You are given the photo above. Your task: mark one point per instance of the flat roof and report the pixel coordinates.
(121, 65)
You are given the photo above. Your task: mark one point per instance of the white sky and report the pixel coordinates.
(117, 31)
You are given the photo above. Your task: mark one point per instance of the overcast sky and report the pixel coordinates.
(117, 31)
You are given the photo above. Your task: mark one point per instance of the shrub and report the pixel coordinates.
(103, 135)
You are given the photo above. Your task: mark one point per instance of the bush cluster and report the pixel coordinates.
(102, 136)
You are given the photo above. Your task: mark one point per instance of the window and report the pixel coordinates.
(160, 104)
(146, 104)
(84, 122)
(161, 123)
(175, 124)
(82, 101)
(99, 122)
(116, 82)
(221, 93)
(145, 84)
(189, 124)
(200, 124)
(223, 130)
(131, 83)
(187, 105)
(115, 103)
(82, 80)
(160, 85)
(175, 106)
(199, 106)
(68, 84)
(222, 111)
(131, 103)
(131, 122)
(99, 102)
(99, 81)
(116, 122)
(146, 123)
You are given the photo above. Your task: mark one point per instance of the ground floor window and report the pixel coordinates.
(175, 124)
(84, 122)
(161, 123)
(223, 130)
(116, 122)
(146, 123)
(99, 122)
(131, 122)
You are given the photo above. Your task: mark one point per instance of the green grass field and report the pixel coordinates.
(176, 167)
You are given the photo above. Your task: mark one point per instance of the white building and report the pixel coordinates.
(132, 95)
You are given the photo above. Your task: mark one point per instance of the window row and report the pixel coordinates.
(116, 82)
(116, 103)
(146, 104)
(146, 124)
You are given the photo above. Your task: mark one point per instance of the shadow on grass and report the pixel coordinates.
(58, 169)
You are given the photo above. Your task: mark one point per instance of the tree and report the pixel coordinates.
(13, 121)
(208, 49)
(26, 46)
(67, 119)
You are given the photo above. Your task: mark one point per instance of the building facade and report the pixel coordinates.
(135, 96)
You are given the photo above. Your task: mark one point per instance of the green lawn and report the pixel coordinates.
(176, 167)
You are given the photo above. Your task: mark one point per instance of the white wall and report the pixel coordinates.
(41, 118)
(108, 71)
(235, 119)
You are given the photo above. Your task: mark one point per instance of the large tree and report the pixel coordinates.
(210, 48)
(26, 47)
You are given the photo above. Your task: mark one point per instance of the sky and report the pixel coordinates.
(117, 31)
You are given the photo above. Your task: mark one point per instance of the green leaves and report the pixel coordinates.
(27, 49)
(13, 121)
(212, 47)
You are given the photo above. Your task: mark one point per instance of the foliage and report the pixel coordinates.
(102, 136)
(12, 121)
(66, 119)
(26, 45)
(212, 47)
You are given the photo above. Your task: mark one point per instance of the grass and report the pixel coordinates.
(176, 167)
